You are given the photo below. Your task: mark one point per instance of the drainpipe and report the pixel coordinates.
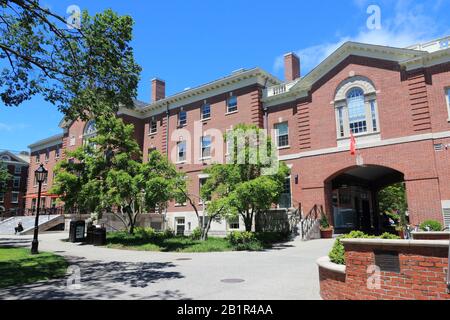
(167, 154)
(448, 269)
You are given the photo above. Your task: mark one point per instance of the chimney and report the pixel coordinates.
(158, 89)
(291, 66)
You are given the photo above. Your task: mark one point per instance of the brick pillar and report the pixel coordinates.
(424, 201)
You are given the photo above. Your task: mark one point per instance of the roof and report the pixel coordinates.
(15, 157)
(301, 87)
(56, 138)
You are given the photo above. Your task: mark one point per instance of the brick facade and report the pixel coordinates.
(12, 200)
(411, 110)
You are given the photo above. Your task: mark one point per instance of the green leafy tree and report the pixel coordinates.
(85, 68)
(241, 186)
(108, 175)
(392, 201)
(5, 177)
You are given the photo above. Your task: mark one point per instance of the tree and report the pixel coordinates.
(107, 175)
(240, 187)
(84, 69)
(392, 201)
(5, 177)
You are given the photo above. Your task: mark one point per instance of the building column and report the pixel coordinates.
(424, 201)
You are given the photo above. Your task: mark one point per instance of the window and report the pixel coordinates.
(447, 91)
(2, 197)
(5, 158)
(37, 158)
(233, 223)
(90, 128)
(153, 126)
(182, 118)
(232, 104)
(14, 197)
(17, 169)
(47, 155)
(356, 111)
(206, 112)
(181, 151)
(285, 198)
(356, 108)
(206, 147)
(282, 134)
(57, 152)
(16, 182)
(72, 140)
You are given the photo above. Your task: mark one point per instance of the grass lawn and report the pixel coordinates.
(122, 240)
(159, 242)
(18, 266)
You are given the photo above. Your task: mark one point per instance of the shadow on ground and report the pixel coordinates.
(102, 280)
(15, 242)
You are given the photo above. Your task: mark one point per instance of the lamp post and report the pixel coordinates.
(41, 176)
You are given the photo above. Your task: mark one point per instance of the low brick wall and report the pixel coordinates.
(422, 271)
(442, 235)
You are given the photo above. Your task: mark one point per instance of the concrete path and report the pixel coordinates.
(286, 272)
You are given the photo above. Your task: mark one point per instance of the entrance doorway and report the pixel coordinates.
(352, 198)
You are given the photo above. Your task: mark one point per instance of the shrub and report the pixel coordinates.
(431, 225)
(337, 253)
(168, 233)
(145, 233)
(324, 224)
(245, 240)
(196, 234)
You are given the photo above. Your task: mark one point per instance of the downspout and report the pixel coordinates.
(265, 116)
(167, 154)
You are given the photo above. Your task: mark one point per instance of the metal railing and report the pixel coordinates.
(310, 219)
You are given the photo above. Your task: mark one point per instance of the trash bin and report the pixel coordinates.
(90, 234)
(76, 231)
(99, 237)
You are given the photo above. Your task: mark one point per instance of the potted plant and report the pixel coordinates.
(326, 231)
(401, 231)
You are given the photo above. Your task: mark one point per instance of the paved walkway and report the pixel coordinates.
(286, 272)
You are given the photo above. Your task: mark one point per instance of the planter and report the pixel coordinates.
(401, 234)
(326, 234)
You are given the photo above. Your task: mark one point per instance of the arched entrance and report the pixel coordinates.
(352, 196)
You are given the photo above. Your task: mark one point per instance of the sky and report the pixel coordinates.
(188, 43)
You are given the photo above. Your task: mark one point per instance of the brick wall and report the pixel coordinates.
(422, 276)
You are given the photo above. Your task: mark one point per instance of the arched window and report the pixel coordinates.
(356, 108)
(89, 131)
(5, 158)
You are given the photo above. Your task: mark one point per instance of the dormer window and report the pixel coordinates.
(356, 108)
(182, 118)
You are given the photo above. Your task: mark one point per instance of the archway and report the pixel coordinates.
(351, 196)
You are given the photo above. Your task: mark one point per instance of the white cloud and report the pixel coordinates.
(409, 25)
(12, 127)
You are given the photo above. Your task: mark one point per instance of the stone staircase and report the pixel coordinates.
(46, 222)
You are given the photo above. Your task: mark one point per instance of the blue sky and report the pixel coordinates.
(188, 43)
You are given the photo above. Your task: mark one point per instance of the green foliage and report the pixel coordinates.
(243, 186)
(244, 240)
(392, 201)
(4, 177)
(18, 266)
(112, 175)
(196, 234)
(85, 71)
(337, 253)
(324, 224)
(431, 225)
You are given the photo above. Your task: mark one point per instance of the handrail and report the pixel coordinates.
(310, 219)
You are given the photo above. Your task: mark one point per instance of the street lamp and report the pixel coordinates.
(40, 175)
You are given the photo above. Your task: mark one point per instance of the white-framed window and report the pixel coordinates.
(282, 131)
(181, 151)
(17, 169)
(37, 158)
(47, 155)
(153, 126)
(14, 197)
(447, 97)
(16, 182)
(57, 152)
(232, 104)
(182, 118)
(72, 140)
(2, 197)
(5, 158)
(233, 223)
(206, 147)
(356, 108)
(206, 112)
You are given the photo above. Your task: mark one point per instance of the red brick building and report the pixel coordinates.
(12, 200)
(395, 101)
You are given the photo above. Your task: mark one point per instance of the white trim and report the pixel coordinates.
(387, 142)
(447, 99)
